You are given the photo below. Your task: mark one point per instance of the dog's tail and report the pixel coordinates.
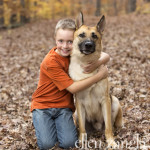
(119, 119)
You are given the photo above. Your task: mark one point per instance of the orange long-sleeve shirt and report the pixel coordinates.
(51, 90)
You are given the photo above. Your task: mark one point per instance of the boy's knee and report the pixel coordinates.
(45, 144)
(68, 143)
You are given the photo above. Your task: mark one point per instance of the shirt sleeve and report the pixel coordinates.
(57, 74)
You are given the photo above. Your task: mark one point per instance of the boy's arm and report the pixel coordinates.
(93, 65)
(83, 84)
(104, 59)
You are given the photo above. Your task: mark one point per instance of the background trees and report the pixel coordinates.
(17, 12)
(131, 5)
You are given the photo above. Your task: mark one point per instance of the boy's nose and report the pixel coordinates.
(65, 45)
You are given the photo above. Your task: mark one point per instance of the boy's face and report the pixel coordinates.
(64, 40)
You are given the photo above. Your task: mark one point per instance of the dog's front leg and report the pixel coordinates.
(106, 109)
(81, 119)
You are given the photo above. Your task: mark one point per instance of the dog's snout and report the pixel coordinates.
(87, 47)
(89, 44)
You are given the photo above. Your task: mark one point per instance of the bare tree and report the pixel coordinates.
(98, 8)
(115, 7)
(131, 6)
(72, 7)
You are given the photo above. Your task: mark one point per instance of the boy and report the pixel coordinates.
(52, 102)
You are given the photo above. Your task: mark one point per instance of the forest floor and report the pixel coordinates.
(126, 39)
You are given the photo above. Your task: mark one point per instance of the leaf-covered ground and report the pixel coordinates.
(126, 40)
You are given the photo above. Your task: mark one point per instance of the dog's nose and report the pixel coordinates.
(88, 44)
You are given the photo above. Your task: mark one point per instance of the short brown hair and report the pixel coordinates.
(65, 24)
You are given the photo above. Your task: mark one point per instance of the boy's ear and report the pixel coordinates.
(101, 25)
(79, 21)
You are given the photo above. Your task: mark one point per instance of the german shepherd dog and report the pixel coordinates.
(93, 104)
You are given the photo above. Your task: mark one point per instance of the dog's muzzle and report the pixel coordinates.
(87, 47)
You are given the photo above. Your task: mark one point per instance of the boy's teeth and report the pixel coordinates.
(65, 51)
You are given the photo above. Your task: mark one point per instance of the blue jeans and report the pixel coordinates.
(54, 125)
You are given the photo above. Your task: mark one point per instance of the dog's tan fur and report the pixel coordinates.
(93, 104)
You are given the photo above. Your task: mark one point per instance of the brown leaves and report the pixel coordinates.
(126, 40)
(21, 52)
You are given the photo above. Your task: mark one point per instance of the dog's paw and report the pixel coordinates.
(83, 136)
(112, 144)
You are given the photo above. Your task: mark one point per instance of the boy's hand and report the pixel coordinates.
(90, 67)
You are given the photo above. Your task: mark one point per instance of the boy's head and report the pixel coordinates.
(65, 24)
(64, 32)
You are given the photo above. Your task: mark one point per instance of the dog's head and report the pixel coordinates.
(87, 40)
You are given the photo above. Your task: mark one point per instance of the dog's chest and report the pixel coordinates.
(92, 98)
(77, 73)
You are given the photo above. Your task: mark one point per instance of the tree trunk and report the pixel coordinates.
(115, 7)
(72, 7)
(52, 9)
(131, 6)
(98, 8)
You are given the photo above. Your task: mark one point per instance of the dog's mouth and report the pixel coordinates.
(86, 52)
(87, 47)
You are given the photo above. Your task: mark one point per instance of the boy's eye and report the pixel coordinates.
(82, 35)
(70, 42)
(60, 41)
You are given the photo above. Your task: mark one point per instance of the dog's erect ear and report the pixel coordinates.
(79, 20)
(101, 25)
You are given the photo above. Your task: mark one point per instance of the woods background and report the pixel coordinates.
(16, 12)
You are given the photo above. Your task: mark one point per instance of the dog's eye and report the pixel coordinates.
(82, 35)
(94, 36)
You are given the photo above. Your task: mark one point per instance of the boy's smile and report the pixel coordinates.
(64, 40)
